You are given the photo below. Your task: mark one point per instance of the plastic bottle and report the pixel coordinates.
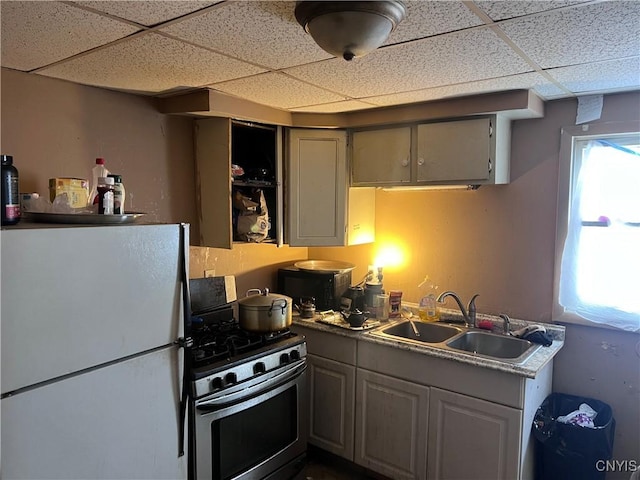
(105, 195)
(118, 194)
(428, 307)
(10, 192)
(98, 171)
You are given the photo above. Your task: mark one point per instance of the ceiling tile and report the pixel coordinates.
(525, 80)
(277, 90)
(447, 59)
(335, 107)
(265, 33)
(35, 34)
(502, 10)
(605, 76)
(147, 13)
(150, 63)
(425, 19)
(590, 33)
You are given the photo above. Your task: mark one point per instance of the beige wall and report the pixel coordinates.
(254, 265)
(497, 241)
(57, 129)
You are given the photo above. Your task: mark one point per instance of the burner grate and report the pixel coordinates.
(223, 339)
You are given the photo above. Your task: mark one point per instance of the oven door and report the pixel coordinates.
(256, 432)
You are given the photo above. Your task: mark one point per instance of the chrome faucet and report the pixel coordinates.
(506, 323)
(469, 314)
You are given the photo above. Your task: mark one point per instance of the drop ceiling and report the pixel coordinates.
(257, 51)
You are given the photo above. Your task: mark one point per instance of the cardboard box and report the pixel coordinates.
(77, 189)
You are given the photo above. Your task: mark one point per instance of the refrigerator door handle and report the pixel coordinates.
(185, 342)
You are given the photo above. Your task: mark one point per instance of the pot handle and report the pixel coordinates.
(252, 291)
(283, 306)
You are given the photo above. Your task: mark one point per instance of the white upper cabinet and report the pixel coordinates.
(322, 210)
(470, 151)
(382, 156)
(452, 151)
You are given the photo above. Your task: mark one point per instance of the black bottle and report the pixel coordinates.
(10, 192)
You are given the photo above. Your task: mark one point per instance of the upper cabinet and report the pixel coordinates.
(381, 156)
(321, 208)
(471, 151)
(244, 203)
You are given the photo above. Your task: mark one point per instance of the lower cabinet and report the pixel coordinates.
(485, 434)
(391, 426)
(331, 402)
(408, 416)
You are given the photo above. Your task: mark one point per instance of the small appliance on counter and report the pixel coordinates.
(325, 281)
(353, 299)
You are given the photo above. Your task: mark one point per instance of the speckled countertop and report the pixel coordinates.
(529, 368)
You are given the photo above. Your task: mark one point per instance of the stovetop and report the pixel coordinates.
(224, 340)
(219, 344)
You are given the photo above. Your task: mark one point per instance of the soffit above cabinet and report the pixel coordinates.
(256, 51)
(514, 104)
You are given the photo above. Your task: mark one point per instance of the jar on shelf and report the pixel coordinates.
(105, 195)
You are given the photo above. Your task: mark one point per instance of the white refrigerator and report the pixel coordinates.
(91, 374)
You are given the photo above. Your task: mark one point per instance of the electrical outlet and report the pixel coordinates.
(209, 273)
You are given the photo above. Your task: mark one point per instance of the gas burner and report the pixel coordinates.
(277, 335)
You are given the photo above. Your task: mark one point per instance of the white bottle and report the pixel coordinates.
(118, 194)
(98, 171)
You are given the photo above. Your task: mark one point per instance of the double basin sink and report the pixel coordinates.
(477, 342)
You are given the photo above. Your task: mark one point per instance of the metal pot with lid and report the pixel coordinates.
(263, 312)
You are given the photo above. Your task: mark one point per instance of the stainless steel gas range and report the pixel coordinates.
(248, 407)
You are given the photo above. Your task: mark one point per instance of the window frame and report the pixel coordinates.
(568, 138)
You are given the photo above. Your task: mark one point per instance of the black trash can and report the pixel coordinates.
(567, 451)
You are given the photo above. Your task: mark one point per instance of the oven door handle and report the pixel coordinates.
(216, 401)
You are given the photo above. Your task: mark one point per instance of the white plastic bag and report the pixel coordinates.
(253, 219)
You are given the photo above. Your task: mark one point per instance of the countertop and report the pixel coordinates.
(528, 369)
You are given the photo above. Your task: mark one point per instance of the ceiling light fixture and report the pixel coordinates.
(349, 29)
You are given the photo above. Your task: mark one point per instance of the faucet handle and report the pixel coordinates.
(506, 323)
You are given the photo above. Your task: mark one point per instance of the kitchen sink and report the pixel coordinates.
(502, 347)
(450, 337)
(429, 332)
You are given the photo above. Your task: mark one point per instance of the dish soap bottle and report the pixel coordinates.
(428, 307)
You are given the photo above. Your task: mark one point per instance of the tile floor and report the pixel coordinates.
(323, 466)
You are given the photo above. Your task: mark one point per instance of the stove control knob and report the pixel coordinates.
(259, 368)
(284, 359)
(216, 384)
(295, 355)
(230, 378)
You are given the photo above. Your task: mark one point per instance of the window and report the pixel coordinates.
(598, 244)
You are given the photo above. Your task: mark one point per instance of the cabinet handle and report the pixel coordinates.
(490, 166)
(420, 161)
(405, 162)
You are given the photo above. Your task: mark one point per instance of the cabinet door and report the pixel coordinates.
(213, 181)
(454, 151)
(317, 181)
(391, 426)
(472, 438)
(331, 404)
(381, 156)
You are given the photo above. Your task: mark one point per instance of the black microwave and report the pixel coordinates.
(327, 288)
